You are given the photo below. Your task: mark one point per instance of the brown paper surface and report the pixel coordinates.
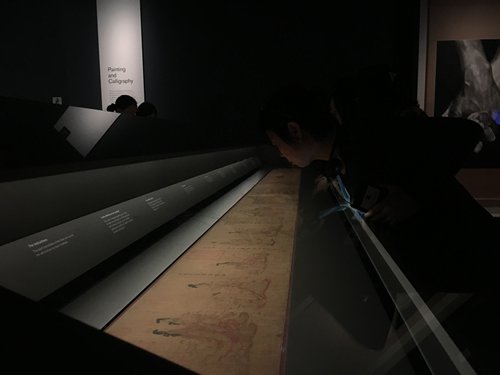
(221, 307)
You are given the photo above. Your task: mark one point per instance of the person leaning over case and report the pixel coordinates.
(435, 230)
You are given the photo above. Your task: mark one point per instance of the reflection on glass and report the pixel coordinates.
(83, 127)
(353, 311)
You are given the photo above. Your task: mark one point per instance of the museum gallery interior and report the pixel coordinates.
(183, 241)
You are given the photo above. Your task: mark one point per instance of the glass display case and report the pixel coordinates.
(208, 262)
(353, 310)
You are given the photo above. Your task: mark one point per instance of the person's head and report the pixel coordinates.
(298, 121)
(147, 109)
(124, 104)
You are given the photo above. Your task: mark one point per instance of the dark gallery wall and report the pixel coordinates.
(215, 62)
(49, 48)
(207, 64)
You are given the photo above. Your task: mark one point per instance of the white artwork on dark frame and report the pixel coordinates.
(468, 82)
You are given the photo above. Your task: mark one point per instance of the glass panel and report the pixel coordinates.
(454, 327)
(353, 311)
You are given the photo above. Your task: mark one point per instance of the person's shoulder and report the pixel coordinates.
(457, 125)
(452, 121)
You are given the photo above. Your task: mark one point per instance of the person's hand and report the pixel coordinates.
(320, 184)
(396, 207)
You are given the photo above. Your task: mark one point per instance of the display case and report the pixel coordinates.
(201, 261)
(353, 311)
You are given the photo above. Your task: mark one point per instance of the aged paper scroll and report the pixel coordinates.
(221, 307)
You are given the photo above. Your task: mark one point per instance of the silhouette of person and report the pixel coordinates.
(147, 109)
(124, 104)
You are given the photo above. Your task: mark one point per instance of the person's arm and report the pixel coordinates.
(428, 154)
(441, 147)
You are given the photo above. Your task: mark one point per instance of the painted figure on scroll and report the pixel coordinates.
(389, 160)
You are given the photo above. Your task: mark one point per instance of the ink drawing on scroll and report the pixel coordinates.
(221, 307)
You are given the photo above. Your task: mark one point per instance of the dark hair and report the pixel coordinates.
(146, 109)
(121, 103)
(309, 107)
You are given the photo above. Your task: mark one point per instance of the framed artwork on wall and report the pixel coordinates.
(468, 86)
